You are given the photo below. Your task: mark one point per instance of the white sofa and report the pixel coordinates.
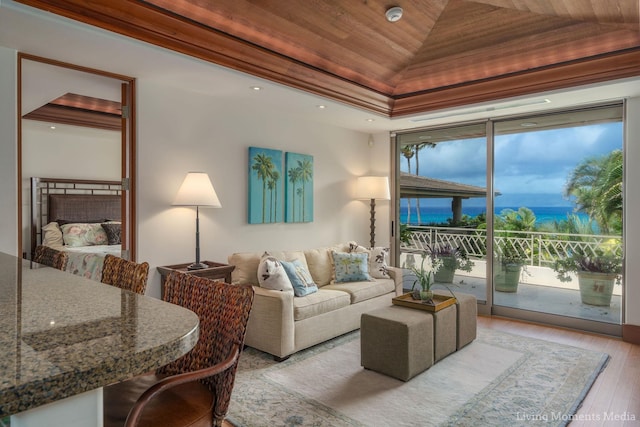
(282, 324)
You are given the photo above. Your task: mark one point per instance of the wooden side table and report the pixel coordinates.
(215, 270)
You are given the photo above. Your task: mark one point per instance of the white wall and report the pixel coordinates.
(8, 152)
(632, 212)
(182, 131)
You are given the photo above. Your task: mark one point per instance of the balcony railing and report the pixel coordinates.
(541, 248)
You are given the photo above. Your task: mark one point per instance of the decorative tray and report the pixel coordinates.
(441, 301)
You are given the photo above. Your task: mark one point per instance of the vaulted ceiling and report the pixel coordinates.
(441, 53)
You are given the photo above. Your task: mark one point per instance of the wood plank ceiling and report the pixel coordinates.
(441, 53)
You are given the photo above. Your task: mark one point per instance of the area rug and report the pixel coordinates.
(498, 380)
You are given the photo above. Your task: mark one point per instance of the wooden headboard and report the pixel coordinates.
(75, 200)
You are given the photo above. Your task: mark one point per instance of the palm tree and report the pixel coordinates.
(273, 187)
(294, 177)
(596, 184)
(305, 168)
(407, 152)
(418, 148)
(263, 165)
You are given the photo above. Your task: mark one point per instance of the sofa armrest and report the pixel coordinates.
(396, 275)
(271, 327)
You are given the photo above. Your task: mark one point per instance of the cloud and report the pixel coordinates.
(528, 162)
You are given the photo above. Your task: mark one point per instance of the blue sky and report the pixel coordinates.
(531, 168)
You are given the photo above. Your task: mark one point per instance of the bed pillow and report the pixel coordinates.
(113, 230)
(300, 278)
(52, 235)
(83, 234)
(272, 275)
(351, 267)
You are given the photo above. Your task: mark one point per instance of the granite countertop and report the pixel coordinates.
(63, 334)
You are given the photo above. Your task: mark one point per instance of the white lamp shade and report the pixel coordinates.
(197, 190)
(373, 187)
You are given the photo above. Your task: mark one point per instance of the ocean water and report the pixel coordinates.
(435, 214)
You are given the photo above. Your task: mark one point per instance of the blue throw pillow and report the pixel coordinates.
(351, 267)
(300, 278)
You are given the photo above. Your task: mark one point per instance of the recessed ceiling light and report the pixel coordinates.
(393, 14)
(371, 120)
(528, 124)
(256, 88)
(52, 127)
(322, 107)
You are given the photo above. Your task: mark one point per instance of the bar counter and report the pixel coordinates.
(62, 335)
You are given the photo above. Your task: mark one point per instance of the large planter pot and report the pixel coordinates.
(596, 288)
(446, 271)
(507, 277)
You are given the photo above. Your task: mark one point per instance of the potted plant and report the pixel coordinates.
(424, 279)
(510, 262)
(451, 259)
(596, 273)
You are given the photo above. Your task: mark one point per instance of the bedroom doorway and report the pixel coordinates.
(75, 123)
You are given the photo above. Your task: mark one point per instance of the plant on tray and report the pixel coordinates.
(597, 273)
(451, 259)
(425, 278)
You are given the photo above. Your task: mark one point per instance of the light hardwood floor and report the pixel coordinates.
(616, 392)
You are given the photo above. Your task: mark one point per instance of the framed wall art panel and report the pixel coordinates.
(298, 187)
(265, 186)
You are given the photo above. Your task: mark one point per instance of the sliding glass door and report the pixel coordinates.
(530, 202)
(559, 213)
(443, 196)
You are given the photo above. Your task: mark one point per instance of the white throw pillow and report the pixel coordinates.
(271, 274)
(52, 235)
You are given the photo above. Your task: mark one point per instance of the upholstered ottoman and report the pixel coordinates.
(397, 341)
(444, 332)
(467, 311)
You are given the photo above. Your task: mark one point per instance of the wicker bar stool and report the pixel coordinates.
(46, 255)
(125, 274)
(195, 390)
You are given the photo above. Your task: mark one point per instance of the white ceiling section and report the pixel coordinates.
(32, 31)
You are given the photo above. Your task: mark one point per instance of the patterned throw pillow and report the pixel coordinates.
(272, 275)
(113, 230)
(378, 257)
(81, 234)
(300, 278)
(351, 267)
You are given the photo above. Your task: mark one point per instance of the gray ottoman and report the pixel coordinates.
(397, 341)
(467, 312)
(444, 332)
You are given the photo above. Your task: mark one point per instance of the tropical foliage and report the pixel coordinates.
(596, 184)
(445, 254)
(604, 261)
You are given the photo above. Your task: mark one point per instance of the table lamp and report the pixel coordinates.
(197, 190)
(373, 188)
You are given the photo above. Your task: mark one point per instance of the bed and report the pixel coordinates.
(80, 217)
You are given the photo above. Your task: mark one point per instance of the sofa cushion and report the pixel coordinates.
(323, 301)
(361, 291)
(272, 275)
(300, 277)
(246, 263)
(350, 267)
(320, 263)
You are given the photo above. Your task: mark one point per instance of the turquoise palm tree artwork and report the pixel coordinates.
(298, 187)
(265, 186)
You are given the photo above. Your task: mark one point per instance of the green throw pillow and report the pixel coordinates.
(351, 267)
